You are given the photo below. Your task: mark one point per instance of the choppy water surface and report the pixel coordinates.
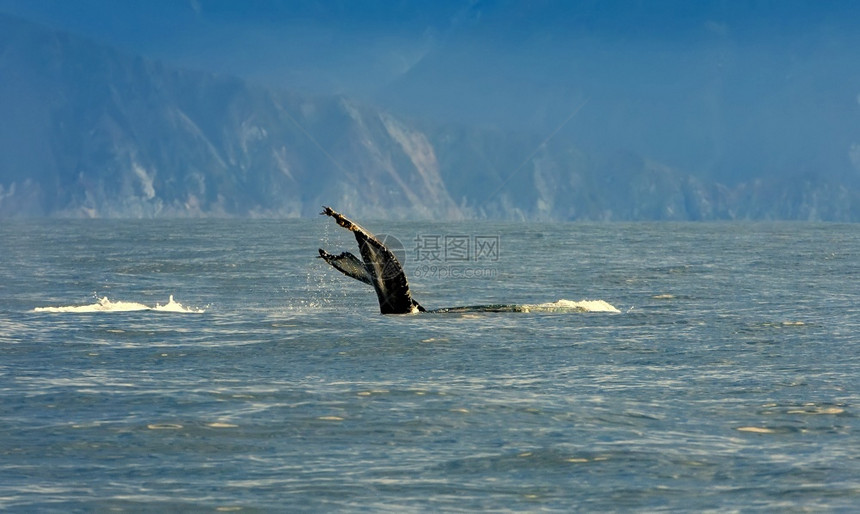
(729, 379)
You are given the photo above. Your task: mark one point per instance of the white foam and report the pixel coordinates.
(572, 306)
(106, 305)
(174, 306)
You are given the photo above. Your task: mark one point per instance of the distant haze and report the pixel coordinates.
(734, 96)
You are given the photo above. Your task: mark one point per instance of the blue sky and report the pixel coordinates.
(358, 46)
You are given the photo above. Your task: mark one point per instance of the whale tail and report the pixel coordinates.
(349, 265)
(378, 267)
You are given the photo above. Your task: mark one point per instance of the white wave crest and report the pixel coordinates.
(106, 305)
(572, 306)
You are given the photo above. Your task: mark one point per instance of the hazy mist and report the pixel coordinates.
(726, 91)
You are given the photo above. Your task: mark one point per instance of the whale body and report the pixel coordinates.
(380, 268)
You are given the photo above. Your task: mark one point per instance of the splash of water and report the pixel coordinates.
(106, 305)
(572, 306)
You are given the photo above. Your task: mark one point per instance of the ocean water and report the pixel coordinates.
(217, 365)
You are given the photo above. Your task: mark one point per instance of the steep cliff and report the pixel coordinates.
(89, 131)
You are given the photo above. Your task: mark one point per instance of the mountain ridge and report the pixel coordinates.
(96, 132)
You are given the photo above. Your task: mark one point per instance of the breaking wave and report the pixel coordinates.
(106, 305)
(572, 306)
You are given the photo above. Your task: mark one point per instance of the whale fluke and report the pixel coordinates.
(378, 267)
(349, 265)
